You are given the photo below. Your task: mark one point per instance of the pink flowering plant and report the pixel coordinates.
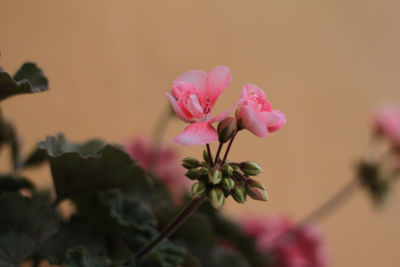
(140, 205)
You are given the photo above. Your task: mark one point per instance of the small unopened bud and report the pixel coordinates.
(228, 184)
(227, 170)
(226, 129)
(190, 163)
(239, 194)
(205, 156)
(214, 176)
(216, 197)
(199, 189)
(192, 174)
(203, 172)
(250, 168)
(256, 190)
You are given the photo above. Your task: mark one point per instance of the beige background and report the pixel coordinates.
(326, 64)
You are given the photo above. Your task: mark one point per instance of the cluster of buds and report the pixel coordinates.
(220, 179)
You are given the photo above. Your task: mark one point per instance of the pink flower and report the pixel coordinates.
(386, 122)
(302, 247)
(163, 161)
(194, 94)
(256, 113)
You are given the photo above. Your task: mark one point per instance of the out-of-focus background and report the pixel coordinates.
(326, 64)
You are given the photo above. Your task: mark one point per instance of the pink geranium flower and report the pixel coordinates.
(301, 247)
(163, 161)
(194, 94)
(386, 122)
(256, 113)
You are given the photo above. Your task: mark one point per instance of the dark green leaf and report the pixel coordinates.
(25, 226)
(81, 257)
(28, 79)
(12, 183)
(36, 157)
(90, 167)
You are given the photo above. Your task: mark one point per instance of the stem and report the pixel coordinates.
(175, 224)
(218, 152)
(160, 127)
(209, 155)
(228, 149)
(332, 203)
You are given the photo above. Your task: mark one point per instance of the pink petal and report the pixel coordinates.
(278, 124)
(253, 89)
(197, 78)
(177, 109)
(252, 121)
(198, 133)
(218, 80)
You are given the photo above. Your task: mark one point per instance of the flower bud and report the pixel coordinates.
(256, 190)
(227, 170)
(216, 197)
(205, 156)
(239, 194)
(190, 163)
(192, 174)
(203, 172)
(214, 176)
(226, 129)
(198, 189)
(250, 168)
(228, 184)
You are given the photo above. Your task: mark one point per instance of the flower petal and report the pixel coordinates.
(251, 121)
(197, 78)
(218, 80)
(278, 124)
(177, 109)
(198, 133)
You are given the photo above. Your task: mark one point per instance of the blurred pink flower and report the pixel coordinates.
(194, 94)
(301, 247)
(386, 122)
(163, 161)
(256, 113)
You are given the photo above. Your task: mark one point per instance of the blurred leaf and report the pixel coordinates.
(25, 226)
(15, 146)
(81, 257)
(76, 232)
(189, 260)
(13, 183)
(36, 157)
(28, 79)
(224, 257)
(90, 167)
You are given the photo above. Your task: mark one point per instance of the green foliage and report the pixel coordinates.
(9, 183)
(25, 227)
(28, 79)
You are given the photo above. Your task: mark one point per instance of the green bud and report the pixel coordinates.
(216, 197)
(190, 163)
(205, 156)
(203, 172)
(239, 194)
(256, 190)
(198, 189)
(226, 129)
(228, 184)
(227, 170)
(214, 176)
(250, 168)
(192, 174)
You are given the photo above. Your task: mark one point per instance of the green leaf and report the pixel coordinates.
(13, 183)
(36, 157)
(28, 79)
(25, 226)
(81, 257)
(76, 232)
(93, 166)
